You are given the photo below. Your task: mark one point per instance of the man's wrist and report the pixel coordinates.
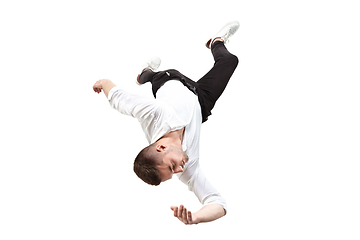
(196, 217)
(107, 85)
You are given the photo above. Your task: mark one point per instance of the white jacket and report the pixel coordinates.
(175, 107)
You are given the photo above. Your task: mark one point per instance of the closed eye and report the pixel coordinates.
(172, 166)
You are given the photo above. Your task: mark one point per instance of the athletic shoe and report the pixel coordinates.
(225, 33)
(152, 64)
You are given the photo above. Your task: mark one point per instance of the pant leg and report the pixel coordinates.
(146, 76)
(157, 79)
(213, 84)
(209, 88)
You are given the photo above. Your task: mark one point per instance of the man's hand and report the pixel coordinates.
(207, 213)
(103, 84)
(184, 215)
(98, 86)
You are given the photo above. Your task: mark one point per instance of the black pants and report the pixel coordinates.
(208, 88)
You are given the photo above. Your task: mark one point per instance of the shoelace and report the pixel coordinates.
(227, 36)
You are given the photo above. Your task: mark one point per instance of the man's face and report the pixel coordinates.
(174, 160)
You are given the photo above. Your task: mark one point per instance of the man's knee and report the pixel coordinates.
(232, 60)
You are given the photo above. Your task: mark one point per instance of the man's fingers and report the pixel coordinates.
(184, 216)
(189, 217)
(97, 86)
(181, 208)
(96, 89)
(175, 211)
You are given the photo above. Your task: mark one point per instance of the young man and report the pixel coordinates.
(172, 122)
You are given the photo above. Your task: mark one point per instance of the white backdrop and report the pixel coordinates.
(282, 145)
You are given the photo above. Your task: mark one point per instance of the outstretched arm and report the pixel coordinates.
(103, 84)
(208, 213)
(214, 204)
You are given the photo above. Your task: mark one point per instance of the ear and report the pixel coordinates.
(160, 148)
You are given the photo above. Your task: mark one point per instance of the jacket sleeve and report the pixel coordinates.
(133, 105)
(205, 192)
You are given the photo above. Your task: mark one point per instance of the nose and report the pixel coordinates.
(179, 169)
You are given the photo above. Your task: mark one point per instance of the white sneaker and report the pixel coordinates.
(225, 33)
(153, 64)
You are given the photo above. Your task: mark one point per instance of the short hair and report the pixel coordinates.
(145, 166)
